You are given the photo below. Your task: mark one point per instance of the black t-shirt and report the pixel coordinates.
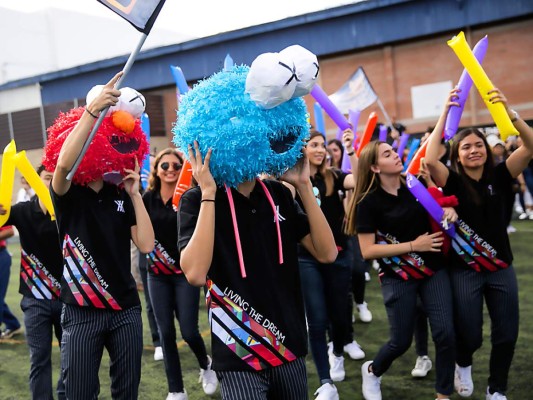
(257, 322)
(331, 206)
(488, 218)
(398, 219)
(41, 260)
(96, 233)
(165, 258)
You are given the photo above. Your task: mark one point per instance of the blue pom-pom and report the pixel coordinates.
(246, 139)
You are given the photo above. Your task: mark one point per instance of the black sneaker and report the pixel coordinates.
(9, 333)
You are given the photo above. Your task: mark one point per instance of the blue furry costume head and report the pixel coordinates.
(246, 139)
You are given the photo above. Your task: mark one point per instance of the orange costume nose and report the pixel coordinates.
(123, 121)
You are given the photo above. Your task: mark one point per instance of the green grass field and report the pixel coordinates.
(396, 384)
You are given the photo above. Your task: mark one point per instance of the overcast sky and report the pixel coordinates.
(196, 17)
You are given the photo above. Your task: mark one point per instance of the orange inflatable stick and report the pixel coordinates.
(414, 166)
(183, 184)
(369, 130)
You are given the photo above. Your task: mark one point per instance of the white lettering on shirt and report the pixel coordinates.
(89, 259)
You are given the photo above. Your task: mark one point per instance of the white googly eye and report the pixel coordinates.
(271, 80)
(307, 68)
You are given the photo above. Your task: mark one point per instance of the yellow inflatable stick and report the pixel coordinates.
(26, 169)
(7, 179)
(484, 85)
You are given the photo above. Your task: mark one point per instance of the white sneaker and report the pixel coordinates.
(523, 216)
(375, 264)
(178, 396)
(511, 229)
(371, 383)
(495, 396)
(327, 391)
(336, 370)
(354, 351)
(367, 277)
(208, 378)
(422, 366)
(158, 353)
(463, 381)
(364, 313)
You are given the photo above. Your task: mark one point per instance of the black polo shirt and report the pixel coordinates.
(257, 322)
(396, 219)
(41, 260)
(96, 232)
(488, 217)
(165, 258)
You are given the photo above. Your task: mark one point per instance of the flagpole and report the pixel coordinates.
(102, 115)
(380, 104)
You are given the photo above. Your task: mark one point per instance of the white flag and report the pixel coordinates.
(355, 94)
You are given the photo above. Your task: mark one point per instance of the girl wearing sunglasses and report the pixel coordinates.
(170, 292)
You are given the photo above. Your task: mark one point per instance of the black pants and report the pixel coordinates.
(154, 331)
(42, 318)
(500, 291)
(400, 299)
(174, 297)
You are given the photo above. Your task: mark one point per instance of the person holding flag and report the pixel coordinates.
(96, 220)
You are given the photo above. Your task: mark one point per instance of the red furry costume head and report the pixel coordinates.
(118, 141)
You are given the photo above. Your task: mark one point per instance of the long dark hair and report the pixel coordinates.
(367, 182)
(326, 172)
(337, 143)
(154, 182)
(456, 166)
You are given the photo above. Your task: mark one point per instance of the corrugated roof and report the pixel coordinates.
(342, 29)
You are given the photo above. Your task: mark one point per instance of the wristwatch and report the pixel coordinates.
(516, 116)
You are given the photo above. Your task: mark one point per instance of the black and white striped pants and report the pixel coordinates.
(286, 382)
(86, 331)
(42, 318)
(500, 290)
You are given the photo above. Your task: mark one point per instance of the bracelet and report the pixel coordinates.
(90, 113)
(351, 154)
(211, 200)
(411, 245)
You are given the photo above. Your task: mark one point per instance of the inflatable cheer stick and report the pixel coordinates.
(369, 131)
(429, 203)
(319, 119)
(414, 165)
(464, 85)
(28, 172)
(179, 78)
(183, 184)
(7, 179)
(483, 84)
(401, 146)
(322, 98)
(353, 116)
(145, 168)
(412, 149)
(383, 133)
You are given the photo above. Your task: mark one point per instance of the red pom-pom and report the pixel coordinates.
(110, 150)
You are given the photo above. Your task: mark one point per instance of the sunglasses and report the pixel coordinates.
(166, 165)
